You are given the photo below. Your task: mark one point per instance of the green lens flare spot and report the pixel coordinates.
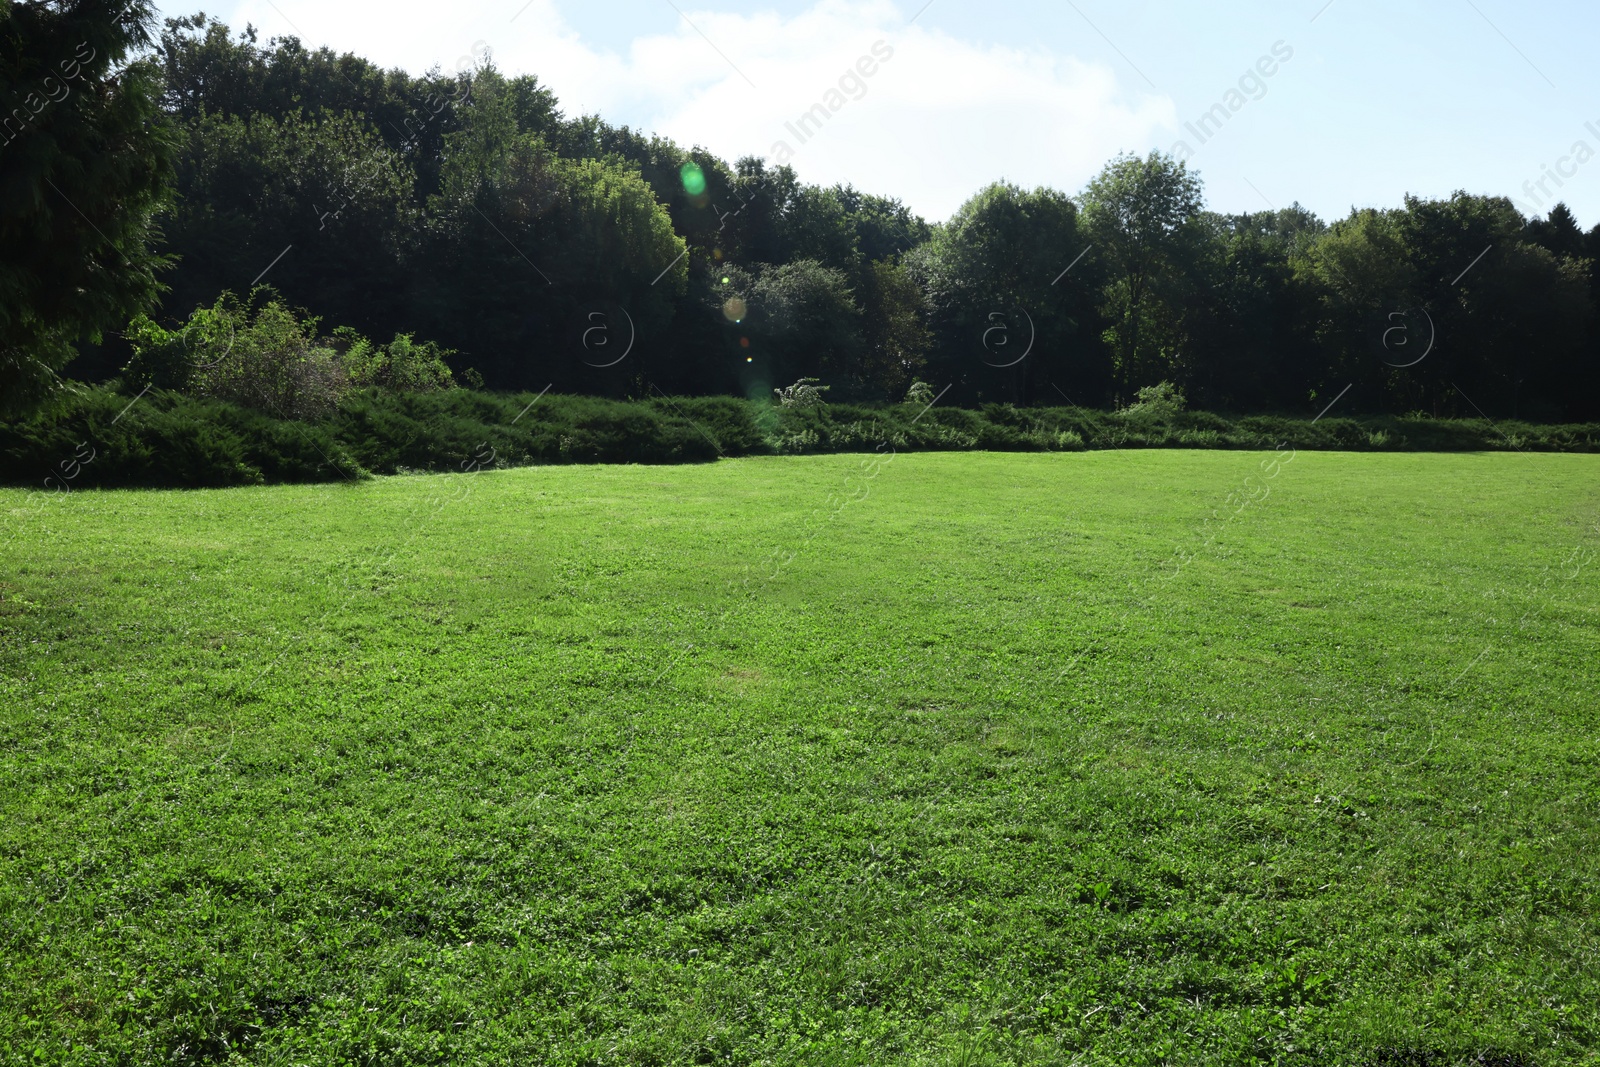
(694, 179)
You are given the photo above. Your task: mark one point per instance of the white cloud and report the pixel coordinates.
(937, 121)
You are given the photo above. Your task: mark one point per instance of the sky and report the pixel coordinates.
(1353, 103)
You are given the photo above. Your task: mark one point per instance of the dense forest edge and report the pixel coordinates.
(230, 260)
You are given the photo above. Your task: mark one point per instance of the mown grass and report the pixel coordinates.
(1110, 757)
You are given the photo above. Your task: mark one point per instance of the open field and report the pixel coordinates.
(954, 759)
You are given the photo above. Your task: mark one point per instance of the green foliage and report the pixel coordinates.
(993, 275)
(388, 431)
(894, 326)
(802, 394)
(1247, 322)
(519, 236)
(885, 229)
(317, 197)
(804, 315)
(90, 438)
(86, 160)
(815, 226)
(465, 207)
(161, 358)
(270, 358)
(1156, 403)
(1143, 217)
(1393, 283)
(403, 365)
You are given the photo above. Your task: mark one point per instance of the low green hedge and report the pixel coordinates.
(102, 437)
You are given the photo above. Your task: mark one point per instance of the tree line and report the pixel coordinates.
(182, 161)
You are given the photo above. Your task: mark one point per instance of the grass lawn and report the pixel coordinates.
(1097, 758)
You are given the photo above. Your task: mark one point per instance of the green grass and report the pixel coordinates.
(962, 759)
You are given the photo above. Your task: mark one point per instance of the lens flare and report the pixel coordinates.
(694, 179)
(733, 309)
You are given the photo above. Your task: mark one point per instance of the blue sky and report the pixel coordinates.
(1373, 101)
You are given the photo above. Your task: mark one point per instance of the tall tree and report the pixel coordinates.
(1558, 233)
(1245, 317)
(805, 322)
(1446, 306)
(894, 326)
(885, 228)
(1011, 283)
(523, 246)
(1142, 216)
(86, 160)
(321, 200)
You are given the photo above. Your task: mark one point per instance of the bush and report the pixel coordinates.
(805, 393)
(1067, 441)
(271, 359)
(403, 365)
(729, 421)
(95, 437)
(1156, 403)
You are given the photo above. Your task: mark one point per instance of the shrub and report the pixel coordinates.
(1200, 439)
(275, 364)
(94, 437)
(805, 393)
(1068, 441)
(729, 421)
(164, 359)
(799, 441)
(403, 365)
(270, 358)
(1156, 403)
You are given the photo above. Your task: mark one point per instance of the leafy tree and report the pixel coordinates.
(885, 228)
(755, 221)
(1246, 316)
(1143, 218)
(208, 72)
(1001, 264)
(1558, 233)
(894, 326)
(816, 226)
(803, 319)
(324, 187)
(86, 160)
(522, 243)
(1506, 311)
(1445, 305)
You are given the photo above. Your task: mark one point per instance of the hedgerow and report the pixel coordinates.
(111, 436)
